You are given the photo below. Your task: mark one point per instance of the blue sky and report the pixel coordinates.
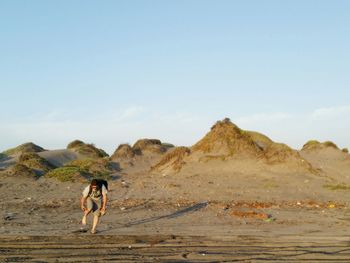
(111, 72)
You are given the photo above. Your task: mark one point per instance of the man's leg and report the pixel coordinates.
(89, 206)
(83, 220)
(94, 223)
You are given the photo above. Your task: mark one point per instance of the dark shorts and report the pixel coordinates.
(94, 205)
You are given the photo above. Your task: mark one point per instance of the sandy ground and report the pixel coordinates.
(40, 222)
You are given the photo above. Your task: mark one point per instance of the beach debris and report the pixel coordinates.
(80, 230)
(269, 220)
(250, 214)
(125, 184)
(9, 216)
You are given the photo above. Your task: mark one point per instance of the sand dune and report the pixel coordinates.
(234, 195)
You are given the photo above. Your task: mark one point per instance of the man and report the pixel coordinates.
(95, 198)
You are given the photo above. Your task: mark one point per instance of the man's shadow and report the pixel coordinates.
(178, 213)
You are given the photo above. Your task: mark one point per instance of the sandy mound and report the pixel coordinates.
(151, 145)
(314, 145)
(327, 151)
(24, 148)
(141, 156)
(260, 139)
(328, 158)
(20, 170)
(226, 139)
(174, 159)
(29, 163)
(60, 157)
(227, 146)
(124, 151)
(35, 162)
(279, 153)
(88, 150)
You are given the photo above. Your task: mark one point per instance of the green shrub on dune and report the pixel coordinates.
(2, 156)
(68, 174)
(97, 168)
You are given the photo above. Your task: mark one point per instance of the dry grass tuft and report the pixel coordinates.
(88, 150)
(337, 187)
(260, 139)
(124, 151)
(330, 144)
(278, 152)
(21, 170)
(226, 138)
(316, 145)
(75, 144)
(345, 150)
(151, 145)
(175, 159)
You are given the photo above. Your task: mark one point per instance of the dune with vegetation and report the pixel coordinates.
(230, 183)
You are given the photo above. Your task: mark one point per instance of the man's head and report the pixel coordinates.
(94, 184)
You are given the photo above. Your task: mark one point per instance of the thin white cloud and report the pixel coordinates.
(331, 112)
(131, 112)
(110, 129)
(263, 118)
(332, 123)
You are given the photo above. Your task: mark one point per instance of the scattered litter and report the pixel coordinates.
(9, 216)
(250, 214)
(80, 230)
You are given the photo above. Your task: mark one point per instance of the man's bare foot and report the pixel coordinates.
(83, 221)
(93, 231)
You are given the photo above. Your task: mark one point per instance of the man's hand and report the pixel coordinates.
(103, 211)
(83, 208)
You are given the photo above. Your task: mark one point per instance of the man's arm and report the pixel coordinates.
(82, 203)
(104, 202)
